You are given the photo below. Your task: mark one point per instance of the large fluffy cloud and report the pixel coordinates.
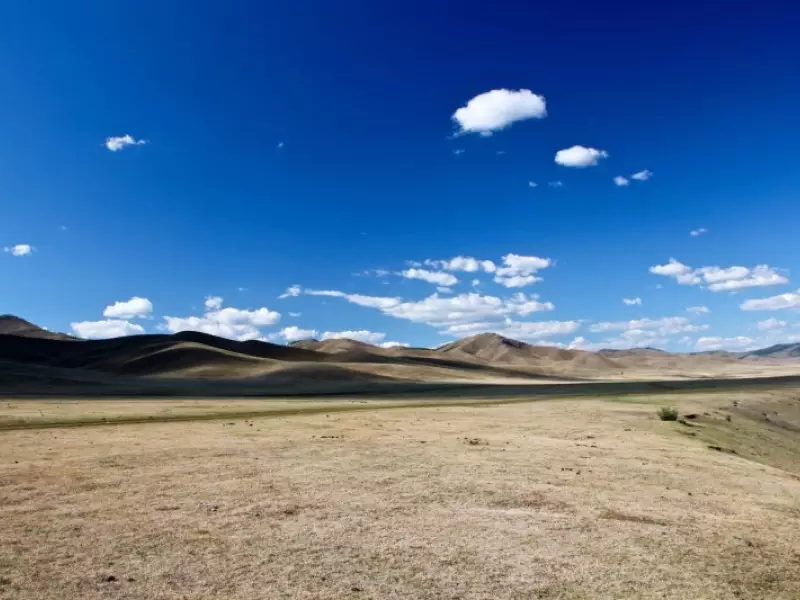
(497, 109)
(719, 279)
(580, 157)
(780, 302)
(233, 323)
(443, 312)
(518, 271)
(109, 328)
(136, 307)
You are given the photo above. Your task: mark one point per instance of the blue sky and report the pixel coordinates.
(314, 144)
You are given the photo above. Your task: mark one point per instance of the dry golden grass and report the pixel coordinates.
(568, 499)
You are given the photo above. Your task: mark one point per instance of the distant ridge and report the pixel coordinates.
(13, 325)
(33, 356)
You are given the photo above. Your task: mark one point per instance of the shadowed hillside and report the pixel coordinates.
(153, 363)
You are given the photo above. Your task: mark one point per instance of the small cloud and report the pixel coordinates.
(698, 310)
(444, 290)
(213, 302)
(63, 228)
(476, 282)
(291, 292)
(642, 175)
(110, 328)
(532, 184)
(293, 333)
(498, 109)
(580, 157)
(19, 250)
(393, 345)
(620, 181)
(697, 232)
(632, 301)
(436, 277)
(279, 146)
(780, 302)
(291, 314)
(117, 143)
(136, 307)
(770, 324)
(242, 289)
(500, 152)
(555, 184)
(458, 151)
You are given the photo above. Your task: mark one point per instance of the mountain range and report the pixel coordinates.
(34, 358)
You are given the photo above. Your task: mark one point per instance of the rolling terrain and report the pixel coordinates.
(34, 360)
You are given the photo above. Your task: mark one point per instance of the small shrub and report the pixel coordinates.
(667, 413)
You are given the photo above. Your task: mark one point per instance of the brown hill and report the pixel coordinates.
(11, 325)
(496, 349)
(157, 363)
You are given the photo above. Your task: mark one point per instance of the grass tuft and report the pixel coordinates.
(667, 413)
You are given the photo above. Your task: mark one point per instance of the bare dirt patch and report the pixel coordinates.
(567, 499)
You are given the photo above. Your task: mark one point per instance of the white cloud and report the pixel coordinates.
(498, 109)
(213, 302)
(393, 345)
(294, 314)
(698, 231)
(444, 312)
(438, 278)
(233, 323)
(110, 328)
(555, 184)
(19, 250)
(579, 343)
(532, 184)
(768, 324)
(698, 310)
(379, 302)
(642, 175)
(444, 290)
(706, 344)
(279, 146)
(580, 157)
(518, 271)
(291, 291)
(718, 279)
(673, 268)
(517, 281)
(368, 337)
(621, 181)
(518, 330)
(465, 264)
(136, 307)
(664, 326)
(780, 302)
(632, 301)
(476, 282)
(292, 333)
(458, 151)
(117, 143)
